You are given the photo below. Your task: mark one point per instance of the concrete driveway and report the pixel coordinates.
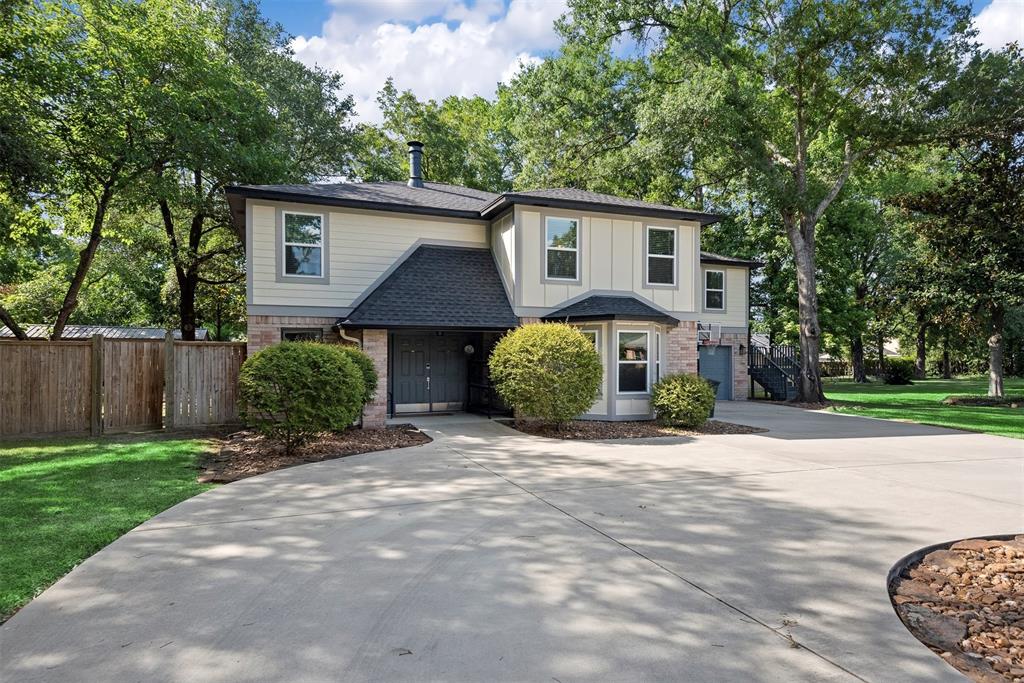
(489, 555)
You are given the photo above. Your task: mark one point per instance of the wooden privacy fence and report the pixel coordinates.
(116, 385)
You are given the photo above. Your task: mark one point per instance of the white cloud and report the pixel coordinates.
(1000, 23)
(433, 47)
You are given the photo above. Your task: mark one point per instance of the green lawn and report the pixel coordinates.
(62, 500)
(922, 402)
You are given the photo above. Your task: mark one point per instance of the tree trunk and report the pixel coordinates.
(920, 370)
(881, 354)
(801, 237)
(857, 356)
(85, 258)
(12, 325)
(995, 353)
(188, 282)
(947, 371)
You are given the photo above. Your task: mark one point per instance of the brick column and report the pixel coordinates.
(740, 378)
(681, 348)
(375, 344)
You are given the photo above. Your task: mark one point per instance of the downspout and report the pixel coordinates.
(358, 342)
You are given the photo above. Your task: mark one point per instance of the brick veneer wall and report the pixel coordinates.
(740, 378)
(264, 330)
(375, 344)
(681, 348)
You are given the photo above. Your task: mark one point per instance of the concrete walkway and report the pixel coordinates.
(489, 555)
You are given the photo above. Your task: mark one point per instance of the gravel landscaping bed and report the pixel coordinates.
(248, 453)
(594, 430)
(966, 603)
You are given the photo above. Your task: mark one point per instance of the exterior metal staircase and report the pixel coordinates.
(776, 368)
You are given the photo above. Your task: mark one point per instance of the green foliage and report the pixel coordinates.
(65, 499)
(682, 400)
(294, 390)
(366, 366)
(466, 141)
(899, 370)
(546, 370)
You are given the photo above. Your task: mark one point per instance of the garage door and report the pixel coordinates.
(716, 364)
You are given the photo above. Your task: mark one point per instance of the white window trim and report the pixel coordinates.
(646, 363)
(596, 331)
(285, 244)
(548, 247)
(714, 289)
(675, 252)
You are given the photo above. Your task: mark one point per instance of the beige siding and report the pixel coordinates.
(735, 314)
(503, 244)
(363, 245)
(612, 256)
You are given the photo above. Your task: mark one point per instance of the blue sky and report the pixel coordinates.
(465, 47)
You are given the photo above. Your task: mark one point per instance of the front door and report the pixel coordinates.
(429, 372)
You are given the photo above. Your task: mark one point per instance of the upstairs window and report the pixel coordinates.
(562, 248)
(633, 361)
(714, 290)
(661, 256)
(303, 244)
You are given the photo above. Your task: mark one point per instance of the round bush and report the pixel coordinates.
(293, 390)
(682, 400)
(899, 370)
(546, 370)
(366, 366)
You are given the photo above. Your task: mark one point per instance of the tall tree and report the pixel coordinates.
(972, 230)
(797, 94)
(256, 116)
(465, 139)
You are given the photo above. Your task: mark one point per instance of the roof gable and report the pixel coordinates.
(438, 287)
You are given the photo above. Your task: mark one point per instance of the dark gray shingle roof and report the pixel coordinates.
(708, 257)
(436, 198)
(463, 202)
(606, 307)
(436, 287)
(567, 197)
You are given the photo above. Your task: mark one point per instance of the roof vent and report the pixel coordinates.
(415, 164)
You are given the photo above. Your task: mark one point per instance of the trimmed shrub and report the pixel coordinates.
(546, 370)
(682, 400)
(899, 370)
(294, 390)
(366, 366)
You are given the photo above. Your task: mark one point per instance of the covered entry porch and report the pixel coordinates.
(430, 326)
(441, 371)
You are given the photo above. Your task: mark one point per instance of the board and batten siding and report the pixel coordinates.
(613, 252)
(362, 246)
(503, 246)
(735, 314)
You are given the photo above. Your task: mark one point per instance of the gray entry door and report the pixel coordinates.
(429, 373)
(715, 363)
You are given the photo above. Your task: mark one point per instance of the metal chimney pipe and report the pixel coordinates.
(415, 163)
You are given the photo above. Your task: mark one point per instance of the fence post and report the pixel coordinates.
(96, 406)
(169, 396)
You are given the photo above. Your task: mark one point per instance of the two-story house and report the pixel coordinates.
(427, 276)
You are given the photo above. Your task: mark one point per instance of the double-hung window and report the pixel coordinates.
(661, 256)
(303, 244)
(633, 362)
(562, 254)
(714, 290)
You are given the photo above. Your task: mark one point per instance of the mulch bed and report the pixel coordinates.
(594, 430)
(985, 401)
(247, 453)
(966, 603)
